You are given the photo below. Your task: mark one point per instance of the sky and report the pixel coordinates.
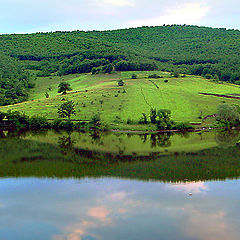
(27, 16)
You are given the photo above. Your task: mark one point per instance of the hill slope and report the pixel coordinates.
(208, 52)
(119, 104)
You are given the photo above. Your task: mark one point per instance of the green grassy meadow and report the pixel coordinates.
(101, 93)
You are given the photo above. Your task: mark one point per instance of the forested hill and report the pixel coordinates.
(214, 53)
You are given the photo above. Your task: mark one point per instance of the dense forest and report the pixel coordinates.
(209, 52)
(14, 81)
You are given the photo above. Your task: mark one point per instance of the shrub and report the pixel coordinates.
(153, 115)
(120, 83)
(183, 126)
(37, 122)
(79, 125)
(66, 125)
(143, 119)
(154, 76)
(176, 74)
(208, 76)
(134, 76)
(96, 120)
(2, 116)
(17, 119)
(56, 124)
(129, 121)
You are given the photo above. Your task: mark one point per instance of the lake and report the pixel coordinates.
(93, 185)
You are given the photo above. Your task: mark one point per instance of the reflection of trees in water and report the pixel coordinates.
(160, 140)
(156, 140)
(227, 138)
(184, 134)
(96, 137)
(13, 133)
(144, 137)
(66, 144)
(39, 132)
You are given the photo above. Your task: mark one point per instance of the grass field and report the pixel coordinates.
(101, 93)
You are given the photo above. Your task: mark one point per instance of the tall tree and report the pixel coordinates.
(67, 109)
(63, 87)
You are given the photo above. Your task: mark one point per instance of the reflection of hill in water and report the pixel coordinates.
(22, 155)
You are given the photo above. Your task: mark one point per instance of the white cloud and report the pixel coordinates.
(117, 3)
(188, 13)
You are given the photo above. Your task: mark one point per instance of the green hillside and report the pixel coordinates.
(85, 59)
(101, 94)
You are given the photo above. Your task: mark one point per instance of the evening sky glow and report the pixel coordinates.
(26, 16)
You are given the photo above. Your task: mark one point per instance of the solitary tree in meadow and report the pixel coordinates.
(63, 87)
(66, 109)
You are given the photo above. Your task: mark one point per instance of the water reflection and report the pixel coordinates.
(66, 144)
(227, 138)
(117, 209)
(165, 157)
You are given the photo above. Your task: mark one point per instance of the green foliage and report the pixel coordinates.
(175, 74)
(2, 116)
(134, 76)
(96, 70)
(129, 121)
(66, 109)
(143, 119)
(96, 120)
(163, 120)
(21, 120)
(17, 119)
(120, 83)
(38, 122)
(107, 68)
(228, 115)
(183, 126)
(153, 115)
(14, 81)
(154, 76)
(63, 87)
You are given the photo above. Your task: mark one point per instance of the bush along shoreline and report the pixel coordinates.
(15, 119)
(227, 117)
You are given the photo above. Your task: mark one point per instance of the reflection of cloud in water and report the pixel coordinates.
(209, 226)
(187, 187)
(98, 217)
(118, 196)
(100, 213)
(202, 220)
(78, 231)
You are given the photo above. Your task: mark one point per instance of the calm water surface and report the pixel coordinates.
(52, 189)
